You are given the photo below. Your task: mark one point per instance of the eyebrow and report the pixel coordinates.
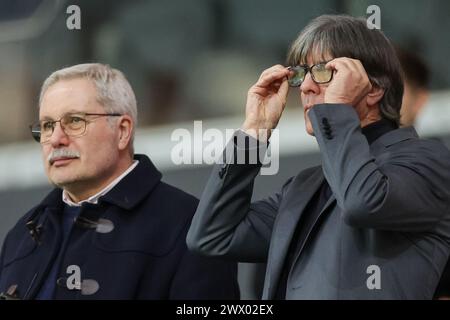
(46, 118)
(73, 111)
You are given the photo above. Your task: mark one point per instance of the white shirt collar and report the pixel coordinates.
(94, 199)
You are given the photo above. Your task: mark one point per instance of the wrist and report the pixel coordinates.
(258, 132)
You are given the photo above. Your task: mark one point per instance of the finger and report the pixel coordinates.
(269, 78)
(356, 66)
(341, 64)
(271, 70)
(361, 70)
(345, 68)
(283, 91)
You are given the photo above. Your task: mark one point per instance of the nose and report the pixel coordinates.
(309, 86)
(59, 137)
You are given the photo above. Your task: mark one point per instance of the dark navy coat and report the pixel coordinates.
(143, 257)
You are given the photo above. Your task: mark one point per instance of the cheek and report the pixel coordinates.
(321, 96)
(97, 149)
(100, 153)
(99, 143)
(45, 152)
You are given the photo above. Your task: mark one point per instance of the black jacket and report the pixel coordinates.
(143, 257)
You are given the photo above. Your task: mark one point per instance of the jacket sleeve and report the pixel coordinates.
(226, 223)
(5, 244)
(1, 261)
(408, 191)
(204, 278)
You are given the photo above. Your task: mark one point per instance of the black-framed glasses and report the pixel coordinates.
(73, 125)
(319, 74)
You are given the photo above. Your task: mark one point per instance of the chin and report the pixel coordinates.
(62, 181)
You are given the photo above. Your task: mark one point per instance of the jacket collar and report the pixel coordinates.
(396, 136)
(378, 128)
(133, 188)
(129, 192)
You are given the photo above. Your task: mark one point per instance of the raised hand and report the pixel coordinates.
(266, 100)
(350, 82)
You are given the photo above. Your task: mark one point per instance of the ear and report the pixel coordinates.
(125, 130)
(374, 96)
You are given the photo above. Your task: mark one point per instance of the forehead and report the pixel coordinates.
(315, 56)
(64, 96)
(311, 51)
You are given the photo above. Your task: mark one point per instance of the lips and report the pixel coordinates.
(61, 161)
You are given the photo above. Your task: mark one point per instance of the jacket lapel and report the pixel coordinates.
(133, 188)
(289, 214)
(329, 202)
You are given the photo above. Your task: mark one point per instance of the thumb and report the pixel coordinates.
(283, 91)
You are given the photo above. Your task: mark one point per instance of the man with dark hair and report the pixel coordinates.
(371, 222)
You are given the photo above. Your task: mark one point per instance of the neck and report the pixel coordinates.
(84, 190)
(371, 117)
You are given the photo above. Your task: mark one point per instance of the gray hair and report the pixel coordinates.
(114, 92)
(346, 36)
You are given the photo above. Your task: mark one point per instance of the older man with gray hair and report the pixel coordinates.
(373, 220)
(111, 229)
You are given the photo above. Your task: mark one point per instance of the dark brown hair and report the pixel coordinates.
(346, 36)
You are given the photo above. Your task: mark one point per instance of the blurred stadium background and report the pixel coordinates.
(186, 60)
